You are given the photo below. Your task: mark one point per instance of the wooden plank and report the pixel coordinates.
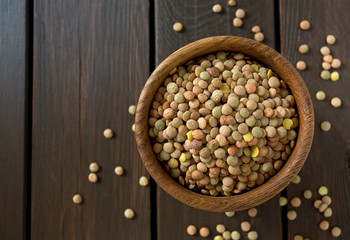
(13, 115)
(200, 22)
(328, 162)
(91, 61)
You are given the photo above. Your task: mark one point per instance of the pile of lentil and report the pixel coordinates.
(222, 124)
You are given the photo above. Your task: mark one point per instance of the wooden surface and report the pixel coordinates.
(13, 117)
(89, 66)
(90, 60)
(329, 159)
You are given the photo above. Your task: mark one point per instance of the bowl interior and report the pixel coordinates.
(267, 57)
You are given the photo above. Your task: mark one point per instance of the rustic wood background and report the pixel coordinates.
(70, 69)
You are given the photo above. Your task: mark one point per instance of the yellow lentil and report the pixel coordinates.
(287, 123)
(323, 190)
(254, 151)
(224, 88)
(334, 76)
(133, 127)
(248, 137)
(182, 157)
(189, 135)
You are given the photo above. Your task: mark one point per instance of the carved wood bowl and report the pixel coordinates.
(267, 57)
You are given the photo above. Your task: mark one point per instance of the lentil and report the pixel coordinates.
(217, 8)
(328, 212)
(325, 126)
(253, 235)
(119, 170)
(325, 50)
(108, 133)
(259, 37)
(320, 95)
(143, 181)
(218, 237)
(336, 231)
(93, 177)
(323, 190)
(220, 228)
(307, 194)
(245, 226)
(129, 213)
(325, 74)
(178, 27)
(297, 179)
(283, 201)
(204, 232)
(301, 65)
(232, 3)
(317, 203)
(303, 48)
(94, 167)
(226, 235)
(77, 199)
(336, 102)
(330, 39)
(336, 63)
(298, 237)
(252, 212)
(324, 225)
(133, 127)
(237, 22)
(256, 29)
(240, 13)
(291, 215)
(132, 109)
(295, 202)
(235, 235)
(334, 76)
(304, 25)
(230, 214)
(191, 230)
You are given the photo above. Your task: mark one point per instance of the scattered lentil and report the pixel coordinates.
(108, 133)
(245, 226)
(325, 126)
(94, 167)
(226, 235)
(307, 194)
(328, 212)
(133, 127)
(218, 237)
(132, 109)
(232, 3)
(297, 179)
(330, 39)
(283, 201)
(119, 170)
(235, 235)
(252, 212)
(191, 230)
(336, 102)
(93, 177)
(320, 95)
(256, 29)
(304, 25)
(298, 237)
(129, 213)
(178, 27)
(259, 37)
(325, 74)
(204, 232)
(253, 235)
(220, 228)
(336, 63)
(143, 181)
(326, 65)
(217, 8)
(303, 48)
(325, 50)
(77, 199)
(327, 200)
(336, 231)
(323, 207)
(291, 215)
(334, 76)
(237, 22)
(323, 190)
(295, 202)
(301, 65)
(317, 203)
(230, 214)
(240, 13)
(324, 225)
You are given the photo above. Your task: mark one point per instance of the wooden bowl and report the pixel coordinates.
(266, 56)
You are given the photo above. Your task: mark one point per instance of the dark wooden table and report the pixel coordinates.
(70, 69)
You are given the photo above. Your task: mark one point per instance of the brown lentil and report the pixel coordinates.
(291, 215)
(325, 126)
(252, 212)
(220, 228)
(132, 109)
(259, 37)
(324, 225)
(336, 63)
(307, 194)
(93, 177)
(119, 170)
(240, 13)
(301, 65)
(304, 25)
(327, 200)
(298, 237)
(295, 202)
(204, 232)
(237, 22)
(325, 50)
(177, 27)
(108, 133)
(253, 235)
(191, 230)
(336, 231)
(256, 29)
(245, 226)
(317, 203)
(330, 39)
(320, 95)
(77, 199)
(217, 8)
(232, 3)
(328, 212)
(336, 102)
(303, 48)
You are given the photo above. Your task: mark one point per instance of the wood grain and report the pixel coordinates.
(328, 162)
(91, 61)
(13, 119)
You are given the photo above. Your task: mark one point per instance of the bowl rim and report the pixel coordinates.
(269, 58)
